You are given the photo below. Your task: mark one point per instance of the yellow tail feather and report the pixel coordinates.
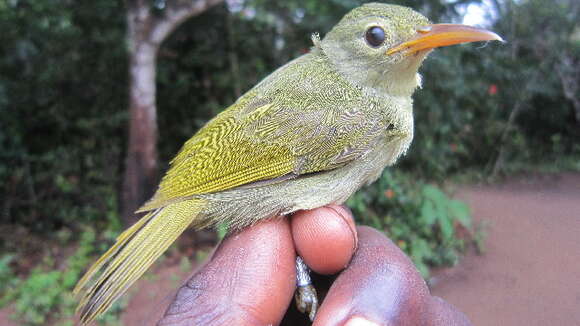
(135, 250)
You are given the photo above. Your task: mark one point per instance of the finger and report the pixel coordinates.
(325, 237)
(380, 286)
(249, 280)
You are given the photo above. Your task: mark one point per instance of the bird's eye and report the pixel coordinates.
(375, 36)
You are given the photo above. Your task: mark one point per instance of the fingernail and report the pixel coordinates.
(340, 210)
(359, 321)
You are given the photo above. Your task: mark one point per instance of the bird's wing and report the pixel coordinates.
(258, 140)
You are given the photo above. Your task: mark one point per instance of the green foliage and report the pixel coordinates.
(62, 116)
(492, 108)
(62, 112)
(418, 217)
(44, 296)
(8, 280)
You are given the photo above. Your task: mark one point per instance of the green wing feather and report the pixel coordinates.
(303, 118)
(220, 157)
(263, 140)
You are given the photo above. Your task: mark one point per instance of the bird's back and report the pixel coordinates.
(304, 118)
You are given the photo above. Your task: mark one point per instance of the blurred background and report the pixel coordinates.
(97, 96)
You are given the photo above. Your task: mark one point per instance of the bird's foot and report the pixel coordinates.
(305, 296)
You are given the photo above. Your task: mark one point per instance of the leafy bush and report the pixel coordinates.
(44, 296)
(418, 217)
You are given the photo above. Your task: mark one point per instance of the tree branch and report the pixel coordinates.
(138, 23)
(567, 71)
(131, 4)
(510, 125)
(177, 12)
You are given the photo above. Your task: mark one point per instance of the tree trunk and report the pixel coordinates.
(146, 32)
(568, 71)
(141, 162)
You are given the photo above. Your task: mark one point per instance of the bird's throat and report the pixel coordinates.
(384, 80)
(402, 78)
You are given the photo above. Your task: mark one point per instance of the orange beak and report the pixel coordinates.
(438, 35)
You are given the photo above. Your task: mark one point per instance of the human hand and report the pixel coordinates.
(250, 278)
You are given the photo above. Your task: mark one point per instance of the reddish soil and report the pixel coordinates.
(151, 296)
(530, 272)
(5, 319)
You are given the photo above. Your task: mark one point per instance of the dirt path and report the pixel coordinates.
(530, 273)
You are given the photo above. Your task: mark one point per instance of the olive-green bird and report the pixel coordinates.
(308, 135)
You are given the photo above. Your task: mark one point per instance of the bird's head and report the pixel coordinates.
(380, 47)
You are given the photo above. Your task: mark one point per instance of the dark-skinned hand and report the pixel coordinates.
(250, 278)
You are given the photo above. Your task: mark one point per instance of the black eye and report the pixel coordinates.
(375, 36)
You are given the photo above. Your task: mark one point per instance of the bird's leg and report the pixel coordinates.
(305, 296)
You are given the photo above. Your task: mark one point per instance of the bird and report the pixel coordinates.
(310, 134)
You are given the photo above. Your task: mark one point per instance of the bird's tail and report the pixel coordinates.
(135, 250)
